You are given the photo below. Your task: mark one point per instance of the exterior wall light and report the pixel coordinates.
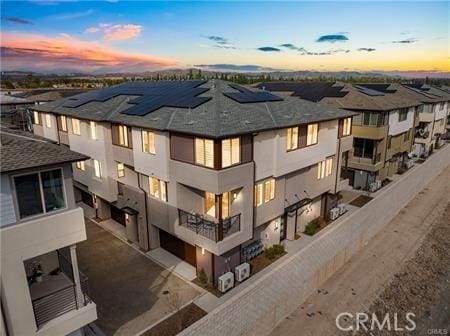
(203, 251)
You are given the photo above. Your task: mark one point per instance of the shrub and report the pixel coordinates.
(274, 251)
(201, 276)
(313, 226)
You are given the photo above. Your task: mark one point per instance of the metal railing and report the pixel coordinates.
(63, 300)
(213, 230)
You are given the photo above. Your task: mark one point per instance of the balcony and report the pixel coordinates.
(369, 132)
(56, 293)
(213, 230)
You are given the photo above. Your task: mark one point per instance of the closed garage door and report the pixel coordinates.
(118, 215)
(178, 247)
(87, 198)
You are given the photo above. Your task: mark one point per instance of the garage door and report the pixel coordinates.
(178, 247)
(118, 215)
(87, 198)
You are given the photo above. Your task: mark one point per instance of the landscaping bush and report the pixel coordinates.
(274, 251)
(201, 276)
(314, 226)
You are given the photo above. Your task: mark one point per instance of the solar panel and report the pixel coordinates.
(309, 91)
(367, 91)
(420, 91)
(378, 87)
(152, 95)
(248, 96)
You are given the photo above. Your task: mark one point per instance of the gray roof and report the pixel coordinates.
(424, 94)
(216, 118)
(22, 150)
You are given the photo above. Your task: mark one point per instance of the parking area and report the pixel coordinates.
(131, 291)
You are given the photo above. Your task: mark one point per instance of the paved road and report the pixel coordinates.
(127, 287)
(358, 283)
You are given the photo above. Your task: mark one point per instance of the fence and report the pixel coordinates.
(257, 309)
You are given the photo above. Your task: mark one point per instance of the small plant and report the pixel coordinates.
(314, 226)
(274, 251)
(201, 276)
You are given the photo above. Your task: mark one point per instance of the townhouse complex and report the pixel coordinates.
(43, 293)
(394, 123)
(203, 169)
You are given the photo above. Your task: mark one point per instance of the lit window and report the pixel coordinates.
(292, 138)
(324, 168)
(80, 165)
(225, 205)
(120, 170)
(36, 118)
(210, 204)
(264, 191)
(148, 142)
(157, 188)
(93, 125)
(48, 120)
(346, 126)
(123, 135)
(76, 126)
(63, 123)
(311, 137)
(97, 168)
(231, 153)
(204, 152)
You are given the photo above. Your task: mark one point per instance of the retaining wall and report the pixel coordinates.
(257, 309)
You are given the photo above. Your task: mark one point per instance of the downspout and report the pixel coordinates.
(338, 164)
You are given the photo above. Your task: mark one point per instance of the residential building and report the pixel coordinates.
(43, 293)
(433, 111)
(202, 168)
(383, 130)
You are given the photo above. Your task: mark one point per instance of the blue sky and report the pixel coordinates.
(316, 35)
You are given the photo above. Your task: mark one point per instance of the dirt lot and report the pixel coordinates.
(403, 268)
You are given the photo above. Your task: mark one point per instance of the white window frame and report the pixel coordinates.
(161, 193)
(80, 165)
(48, 120)
(201, 146)
(347, 126)
(36, 118)
(265, 191)
(76, 126)
(148, 142)
(123, 136)
(292, 138)
(325, 168)
(93, 130)
(63, 121)
(120, 170)
(231, 152)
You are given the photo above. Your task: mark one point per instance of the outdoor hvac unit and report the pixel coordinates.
(226, 281)
(334, 213)
(409, 164)
(378, 182)
(242, 272)
(373, 186)
(342, 208)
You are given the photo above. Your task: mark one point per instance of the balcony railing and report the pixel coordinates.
(61, 300)
(212, 230)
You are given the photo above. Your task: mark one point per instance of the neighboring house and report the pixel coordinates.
(202, 169)
(430, 131)
(383, 130)
(43, 292)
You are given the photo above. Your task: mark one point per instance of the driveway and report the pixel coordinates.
(131, 291)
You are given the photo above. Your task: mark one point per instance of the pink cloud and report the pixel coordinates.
(40, 53)
(121, 32)
(91, 30)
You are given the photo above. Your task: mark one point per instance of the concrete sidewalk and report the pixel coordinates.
(358, 283)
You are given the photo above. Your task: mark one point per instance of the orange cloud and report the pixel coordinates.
(121, 32)
(40, 53)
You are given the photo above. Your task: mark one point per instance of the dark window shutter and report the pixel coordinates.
(340, 128)
(302, 131)
(130, 138)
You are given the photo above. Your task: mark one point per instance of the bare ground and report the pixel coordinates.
(405, 267)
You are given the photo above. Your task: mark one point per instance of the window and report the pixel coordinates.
(148, 142)
(225, 205)
(63, 123)
(93, 126)
(363, 148)
(36, 118)
(374, 119)
(312, 134)
(345, 127)
(406, 136)
(76, 126)
(204, 152)
(80, 165)
(269, 190)
(157, 188)
(210, 204)
(123, 135)
(402, 114)
(97, 168)
(48, 120)
(120, 170)
(39, 192)
(264, 191)
(324, 168)
(231, 152)
(292, 138)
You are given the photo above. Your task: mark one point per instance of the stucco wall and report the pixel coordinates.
(258, 308)
(397, 127)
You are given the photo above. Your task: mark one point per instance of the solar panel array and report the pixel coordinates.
(367, 91)
(153, 95)
(309, 91)
(248, 96)
(378, 87)
(423, 91)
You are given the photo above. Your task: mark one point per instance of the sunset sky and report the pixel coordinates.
(122, 36)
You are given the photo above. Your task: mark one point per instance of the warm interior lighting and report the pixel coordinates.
(203, 251)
